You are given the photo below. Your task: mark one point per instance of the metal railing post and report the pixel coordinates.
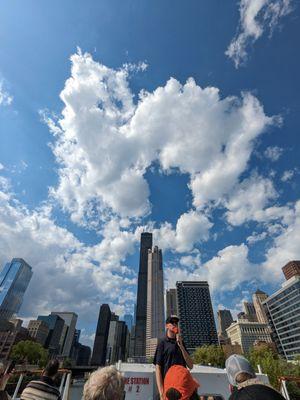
(67, 387)
(18, 386)
(63, 378)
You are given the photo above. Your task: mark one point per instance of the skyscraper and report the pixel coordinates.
(197, 323)
(100, 343)
(258, 298)
(249, 310)
(155, 301)
(171, 299)
(14, 280)
(282, 309)
(56, 325)
(70, 319)
(141, 306)
(224, 321)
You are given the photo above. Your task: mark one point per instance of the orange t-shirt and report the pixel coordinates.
(180, 378)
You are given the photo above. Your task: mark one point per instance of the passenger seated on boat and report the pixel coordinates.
(179, 381)
(44, 388)
(104, 384)
(245, 384)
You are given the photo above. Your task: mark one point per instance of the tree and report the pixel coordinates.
(275, 367)
(30, 352)
(210, 355)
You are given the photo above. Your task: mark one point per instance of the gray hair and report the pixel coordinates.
(104, 384)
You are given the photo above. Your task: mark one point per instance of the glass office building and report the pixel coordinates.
(14, 280)
(283, 312)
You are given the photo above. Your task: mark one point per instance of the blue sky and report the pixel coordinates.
(103, 134)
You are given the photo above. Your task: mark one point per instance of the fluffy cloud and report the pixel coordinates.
(249, 199)
(273, 152)
(191, 228)
(5, 98)
(104, 142)
(224, 272)
(66, 273)
(285, 247)
(256, 17)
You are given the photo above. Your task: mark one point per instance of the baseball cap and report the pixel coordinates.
(235, 364)
(171, 319)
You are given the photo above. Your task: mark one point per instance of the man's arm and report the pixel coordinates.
(159, 381)
(186, 356)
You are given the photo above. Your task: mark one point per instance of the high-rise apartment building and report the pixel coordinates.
(66, 342)
(249, 310)
(258, 297)
(141, 306)
(56, 325)
(155, 301)
(224, 321)
(291, 269)
(283, 312)
(100, 343)
(171, 300)
(197, 323)
(38, 330)
(14, 280)
(245, 333)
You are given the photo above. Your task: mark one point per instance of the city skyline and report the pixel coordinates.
(178, 119)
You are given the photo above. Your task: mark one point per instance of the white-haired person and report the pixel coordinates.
(104, 384)
(244, 383)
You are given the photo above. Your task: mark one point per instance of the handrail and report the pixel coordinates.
(18, 386)
(67, 387)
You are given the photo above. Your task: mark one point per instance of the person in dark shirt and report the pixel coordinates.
(170, 351)
(244, 384)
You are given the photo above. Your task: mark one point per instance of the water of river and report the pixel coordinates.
(76, 391)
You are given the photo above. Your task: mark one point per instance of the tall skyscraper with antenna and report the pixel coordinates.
(141, 304)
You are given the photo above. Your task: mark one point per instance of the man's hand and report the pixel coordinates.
(179, 340)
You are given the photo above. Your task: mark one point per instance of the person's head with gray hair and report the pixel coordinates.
(104, 384)
(238, 369)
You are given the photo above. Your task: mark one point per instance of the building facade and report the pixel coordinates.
(246, 334)
(11, 332)
(14, 280)
(68, 332)
(171, 301)
(283, 312)
(291, 269)
(38, 330)
(117, 342)
(249, 311)
(258, 298)
(100, 342)
(197, 323)
(224, 321)
(155, 301)
(55, 325)
(141, 304)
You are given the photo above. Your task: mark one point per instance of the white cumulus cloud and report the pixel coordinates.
(104, 142)
(256, 17)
